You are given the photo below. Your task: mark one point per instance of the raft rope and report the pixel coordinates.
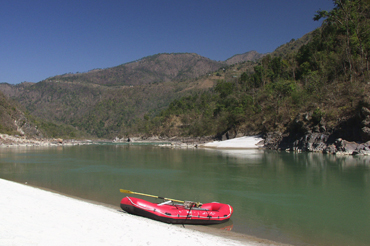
(187, 216)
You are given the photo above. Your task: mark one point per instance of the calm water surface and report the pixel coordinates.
(297, 198)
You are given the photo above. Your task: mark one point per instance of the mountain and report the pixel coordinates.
(152, 69)
(107, 102)
(121, 100)
(248, 56)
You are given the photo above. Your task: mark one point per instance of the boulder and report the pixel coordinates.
(362, 149)
(366, 121)
(314, 142)
(346, 147)
(273, 139)
(331, 149)
(365, 112)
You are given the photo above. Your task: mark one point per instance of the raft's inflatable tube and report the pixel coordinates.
(208, 213)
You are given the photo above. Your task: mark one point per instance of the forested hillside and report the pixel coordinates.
(108, 102)
(321, 86)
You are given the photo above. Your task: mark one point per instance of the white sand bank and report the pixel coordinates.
(31, 216)
(249, 142)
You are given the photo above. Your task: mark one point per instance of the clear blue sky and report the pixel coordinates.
(43, 38)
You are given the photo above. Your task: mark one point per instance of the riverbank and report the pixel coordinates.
(246, 142)
(22, 141)
(31, 216)
(313, 142)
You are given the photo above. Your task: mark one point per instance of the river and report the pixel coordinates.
(295, 198)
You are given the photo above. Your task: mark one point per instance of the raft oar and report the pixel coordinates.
(186, 203)
(142, 194)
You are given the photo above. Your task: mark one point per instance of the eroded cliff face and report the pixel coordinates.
(350, 136)
(25, 127)
(309, 132)
(14, 121)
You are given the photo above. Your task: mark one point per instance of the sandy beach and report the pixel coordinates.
(247, 142)
(32, 216)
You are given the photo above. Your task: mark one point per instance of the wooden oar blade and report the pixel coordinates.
(126, 191)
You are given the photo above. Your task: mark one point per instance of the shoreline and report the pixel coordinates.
(340, 147)
(32, 215)
(246, 142)
(7, 141)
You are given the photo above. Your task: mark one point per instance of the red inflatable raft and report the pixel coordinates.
(208, 213)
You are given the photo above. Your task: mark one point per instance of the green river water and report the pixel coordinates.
(296, 198)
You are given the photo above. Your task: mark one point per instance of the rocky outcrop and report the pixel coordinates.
(308, 132)
(272, 140)
(25, 127)
(344, 147)
(14, 121)
(316, 142)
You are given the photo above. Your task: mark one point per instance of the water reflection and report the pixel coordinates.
(240, 155)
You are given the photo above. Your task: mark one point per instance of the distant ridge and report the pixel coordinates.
(248, 56)
(157, 68)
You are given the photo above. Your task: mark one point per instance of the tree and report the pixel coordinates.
(224, 88)
(348, 23)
